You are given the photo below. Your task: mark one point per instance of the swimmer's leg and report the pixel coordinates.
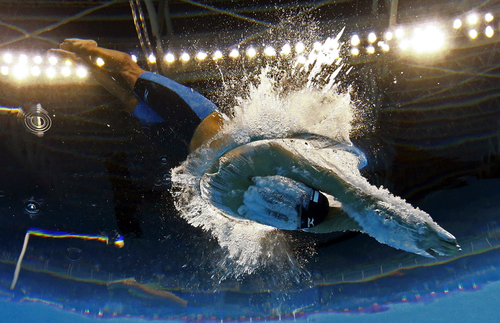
(166, 97)
(114, 61)
(110, 81)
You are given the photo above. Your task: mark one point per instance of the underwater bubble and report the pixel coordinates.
(167, 179)
(73, 254)
(32, 207)
(164, 160)
(2, 194)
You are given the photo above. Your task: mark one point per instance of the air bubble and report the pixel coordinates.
(164, 160)
(32, 207)
(73, 254)
(2, 194)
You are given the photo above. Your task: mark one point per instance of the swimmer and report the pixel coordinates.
(193, 121)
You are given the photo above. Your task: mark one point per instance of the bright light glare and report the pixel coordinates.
(23, 59)
(473, 33)
(99, 61)
(489, 32)
(185, 57)
(52, 60)
(301, 59)
(457, 23)
(234, 53)
(50, 72)
(201, 56)
(354, 51)
(300, 47)
(286, 49)
(400, 32)
(81, 72)
(20, 71)
(488, 17)
(317, 46)
(269, 51)
(372, 37)
(36, 71)
(385, 47)
(217, 55)
(388, 35)
(66, 71)
(152, 59)
(404, 45)
(251, 52)
(134, 58)
(169, 58)
(8, 58)
(4, 70)
(430, 39)
(38, 59)
(472, 19)
(355, 40)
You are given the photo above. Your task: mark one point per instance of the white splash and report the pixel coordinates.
(265, 111)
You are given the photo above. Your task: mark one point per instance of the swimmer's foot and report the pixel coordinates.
(79, 46)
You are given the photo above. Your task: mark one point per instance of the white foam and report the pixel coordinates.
(266, 112)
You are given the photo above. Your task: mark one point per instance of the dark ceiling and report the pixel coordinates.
(42, 24)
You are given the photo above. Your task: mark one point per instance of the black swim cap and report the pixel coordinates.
(316, 212)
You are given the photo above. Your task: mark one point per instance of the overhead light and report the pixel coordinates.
(489, 32)
(169, 58)
(251, 52)
(53, 60)
(472, 19)
(234, 53)
(488, 17)
(372, 37)
(36, 71)
(399, 32)
(201, 56)
(269, 51)
(300, 47)
(81, 72)
(4, 70)
(370, 49)
(66, 71)
(428, 39)
(185, 57)
(38, 59)
(355, 40)
(473, 33)
(457, 23)
(99, 61)
(20, 71)
(388, 35)
(217, 55)
(50, 72)
(152, 59)
(354, 51)
(8, 58)
(23, 59)
(134, 58)
(301, 59)
(286, 49)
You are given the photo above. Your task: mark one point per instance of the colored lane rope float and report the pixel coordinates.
(119, 243)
